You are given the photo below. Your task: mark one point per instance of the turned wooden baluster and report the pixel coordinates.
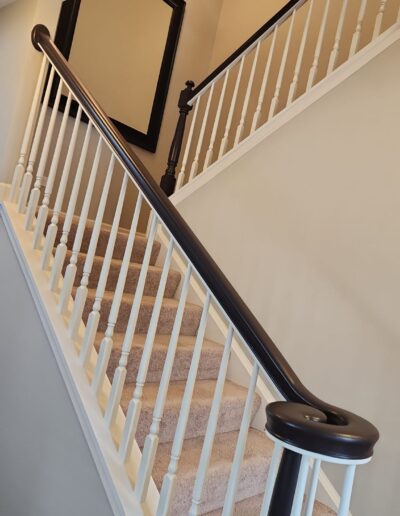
(357, 33)
(28, 176)
(168, 180)
(135, 405)
(44, 208)
(35, 192)
(107, 342)
(210, 150)
(211, 427)
(264, 83)
(169, 480)
(181, 175)
(20, 167)
(300, 55)
(275, 98)
(94, 316)
(379, 19)
(61, 250)
(82, 290)
(195, 164)
(240, 128)
(51, 232)
(233, 482)
(224, 141)
(338, 36)
(152, 439)
(70, 272)
(314, 67)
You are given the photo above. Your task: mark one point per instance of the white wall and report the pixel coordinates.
(19, 67)
(306, 227)
(46, 468)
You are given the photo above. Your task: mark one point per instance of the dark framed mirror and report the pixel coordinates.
(123, 51)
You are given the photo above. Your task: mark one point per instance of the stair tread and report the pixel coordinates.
(153, 275)
(253, 476)
(230, 413)
(211, 354)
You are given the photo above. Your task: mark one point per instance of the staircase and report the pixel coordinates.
(150, 329)
(259, 448)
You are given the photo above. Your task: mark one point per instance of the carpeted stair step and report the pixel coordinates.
(190, 322)
(139, 246)
(209, 362)
(253, 475)
(230, 414)
(252, 506)
(152, 278)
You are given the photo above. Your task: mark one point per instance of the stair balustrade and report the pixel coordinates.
(296, 49)
(80, 243)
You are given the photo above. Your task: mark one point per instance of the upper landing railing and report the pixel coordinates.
(304, 428)
(297, 48)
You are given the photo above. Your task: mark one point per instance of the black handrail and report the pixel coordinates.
(252, 39)
(357, 435)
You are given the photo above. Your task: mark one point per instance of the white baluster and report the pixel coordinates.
(356, 36)
(195, 164)
(20, 167)
(275, 98)
(298, 499)
(211, 427)
(82, 290)
(272, 473)
(233, 483)
(44, 208)
(135, 405)
(313, 488)
(314, 67)
(107, 342)
(210, 150)
(347, 488)
(335, 50)
(224, 141)
(61, 250)
(181, 175)
(170, 477)
(240, 128)
(94, 316)
(379, 19)
(35, 192)
(70, 272)
(28, 176)
(151, 442)
(53, 227)
(300, 55)
(261, 95)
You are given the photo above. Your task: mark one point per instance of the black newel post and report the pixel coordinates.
(168, 180)
(285, 484)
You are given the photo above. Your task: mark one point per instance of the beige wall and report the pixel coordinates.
(306, 227)
(19, 67)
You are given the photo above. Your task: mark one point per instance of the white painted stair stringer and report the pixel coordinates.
(240, 363)
(112, 472)
(326, 85)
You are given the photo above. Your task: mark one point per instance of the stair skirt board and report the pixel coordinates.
(258, 451)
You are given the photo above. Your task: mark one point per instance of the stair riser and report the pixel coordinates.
(139, 246)
(152, 278)
(208, 367)
(190, 321)
(230, 417)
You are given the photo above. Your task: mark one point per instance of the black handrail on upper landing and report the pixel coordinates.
(345, 435)
(186, 99)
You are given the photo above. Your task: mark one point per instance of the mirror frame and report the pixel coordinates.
(63, 39)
